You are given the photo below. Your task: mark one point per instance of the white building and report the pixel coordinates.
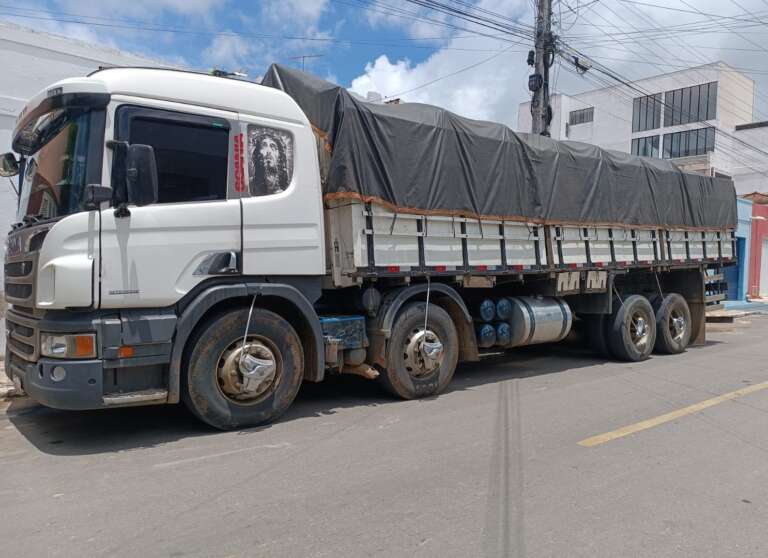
(701, 117)
(32, 60)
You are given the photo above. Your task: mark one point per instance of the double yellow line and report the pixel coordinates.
(667, 417)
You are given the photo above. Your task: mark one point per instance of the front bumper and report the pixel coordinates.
(81, 388)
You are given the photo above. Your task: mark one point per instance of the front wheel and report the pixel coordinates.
(236, 380)
(421, 362)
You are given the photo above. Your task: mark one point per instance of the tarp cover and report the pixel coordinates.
(415, 157)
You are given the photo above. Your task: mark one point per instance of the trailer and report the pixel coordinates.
(185, 237)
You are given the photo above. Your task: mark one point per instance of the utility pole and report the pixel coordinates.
(541, 59)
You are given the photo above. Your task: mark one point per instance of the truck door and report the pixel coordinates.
(283, 214)
(158, 253)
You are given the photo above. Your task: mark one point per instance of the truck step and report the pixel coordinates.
(135, 397)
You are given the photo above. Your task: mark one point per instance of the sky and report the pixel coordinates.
(398, 48)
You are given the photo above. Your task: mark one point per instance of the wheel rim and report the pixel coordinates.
(677, 325)
(247, 373)
(639, 331)
(423, 352)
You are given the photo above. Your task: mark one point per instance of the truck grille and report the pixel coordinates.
(20, 280)
(18, 291)
(23, 336)
(18, 269)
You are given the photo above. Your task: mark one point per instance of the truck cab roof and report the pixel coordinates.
(178, 86)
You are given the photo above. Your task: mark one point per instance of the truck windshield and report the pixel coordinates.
(54, 176)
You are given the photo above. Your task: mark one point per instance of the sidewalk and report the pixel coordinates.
(752, 307)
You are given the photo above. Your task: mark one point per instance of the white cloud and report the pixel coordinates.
(229, 52)
(294, 13)
(420, 23)
(298, 20)
(146, 9)
(489, 91)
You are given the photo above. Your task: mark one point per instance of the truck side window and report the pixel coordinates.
(270, 160)
(191, 158)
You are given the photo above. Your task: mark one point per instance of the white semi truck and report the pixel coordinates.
(174, 244)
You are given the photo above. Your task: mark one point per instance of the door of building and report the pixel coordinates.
(764, 269)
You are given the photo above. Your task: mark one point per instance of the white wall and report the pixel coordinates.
(748, 166)
(31, 61)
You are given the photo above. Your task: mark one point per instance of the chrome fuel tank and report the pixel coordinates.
(538, 320)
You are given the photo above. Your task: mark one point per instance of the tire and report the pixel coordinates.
(595, 327)
(673, 324)
(216, 390)
(404, 377)
(631, 329)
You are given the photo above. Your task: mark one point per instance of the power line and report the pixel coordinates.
(694, 11)
(664, 57)
(415, 16)
(460, 70)
(752, 90)
(159, 29)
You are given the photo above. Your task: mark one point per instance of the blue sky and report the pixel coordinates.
(394, 47)
(231, 34)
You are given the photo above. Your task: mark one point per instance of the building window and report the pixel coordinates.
(646, 147)
(690, 104)
(688, 143)
(581, 116)
(646, 113)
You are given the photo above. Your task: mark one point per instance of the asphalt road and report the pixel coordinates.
(491, 468)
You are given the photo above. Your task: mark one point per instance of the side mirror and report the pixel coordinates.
(9, 166)
(141, 174)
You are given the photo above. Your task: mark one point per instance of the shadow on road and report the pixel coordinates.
(91, 432)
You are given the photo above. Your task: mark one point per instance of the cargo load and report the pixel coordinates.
(417, 158)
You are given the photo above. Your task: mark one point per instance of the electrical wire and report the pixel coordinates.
(446, 76)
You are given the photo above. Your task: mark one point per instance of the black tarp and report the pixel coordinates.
(416, 157)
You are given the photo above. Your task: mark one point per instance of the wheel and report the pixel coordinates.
(420, 363)
(229, 385)
(673, 324)
(595, 328)
(631, 329)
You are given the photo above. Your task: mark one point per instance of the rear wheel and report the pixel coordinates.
(673, 324)
(631, 329)
(231, 383)
(420, 362)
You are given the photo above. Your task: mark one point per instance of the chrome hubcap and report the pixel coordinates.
(677, 325)
(246, 373)
(639, 331)
(423, 353)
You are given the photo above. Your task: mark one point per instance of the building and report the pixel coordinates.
(738, 276)
(758, 265)
(701, 118)
(757, 197)
(32, 60)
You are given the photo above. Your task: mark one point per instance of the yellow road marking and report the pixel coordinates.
(661, 419)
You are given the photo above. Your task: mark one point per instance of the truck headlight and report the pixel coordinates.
(73, 345)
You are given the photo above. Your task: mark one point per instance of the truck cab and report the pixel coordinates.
(140, 187)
